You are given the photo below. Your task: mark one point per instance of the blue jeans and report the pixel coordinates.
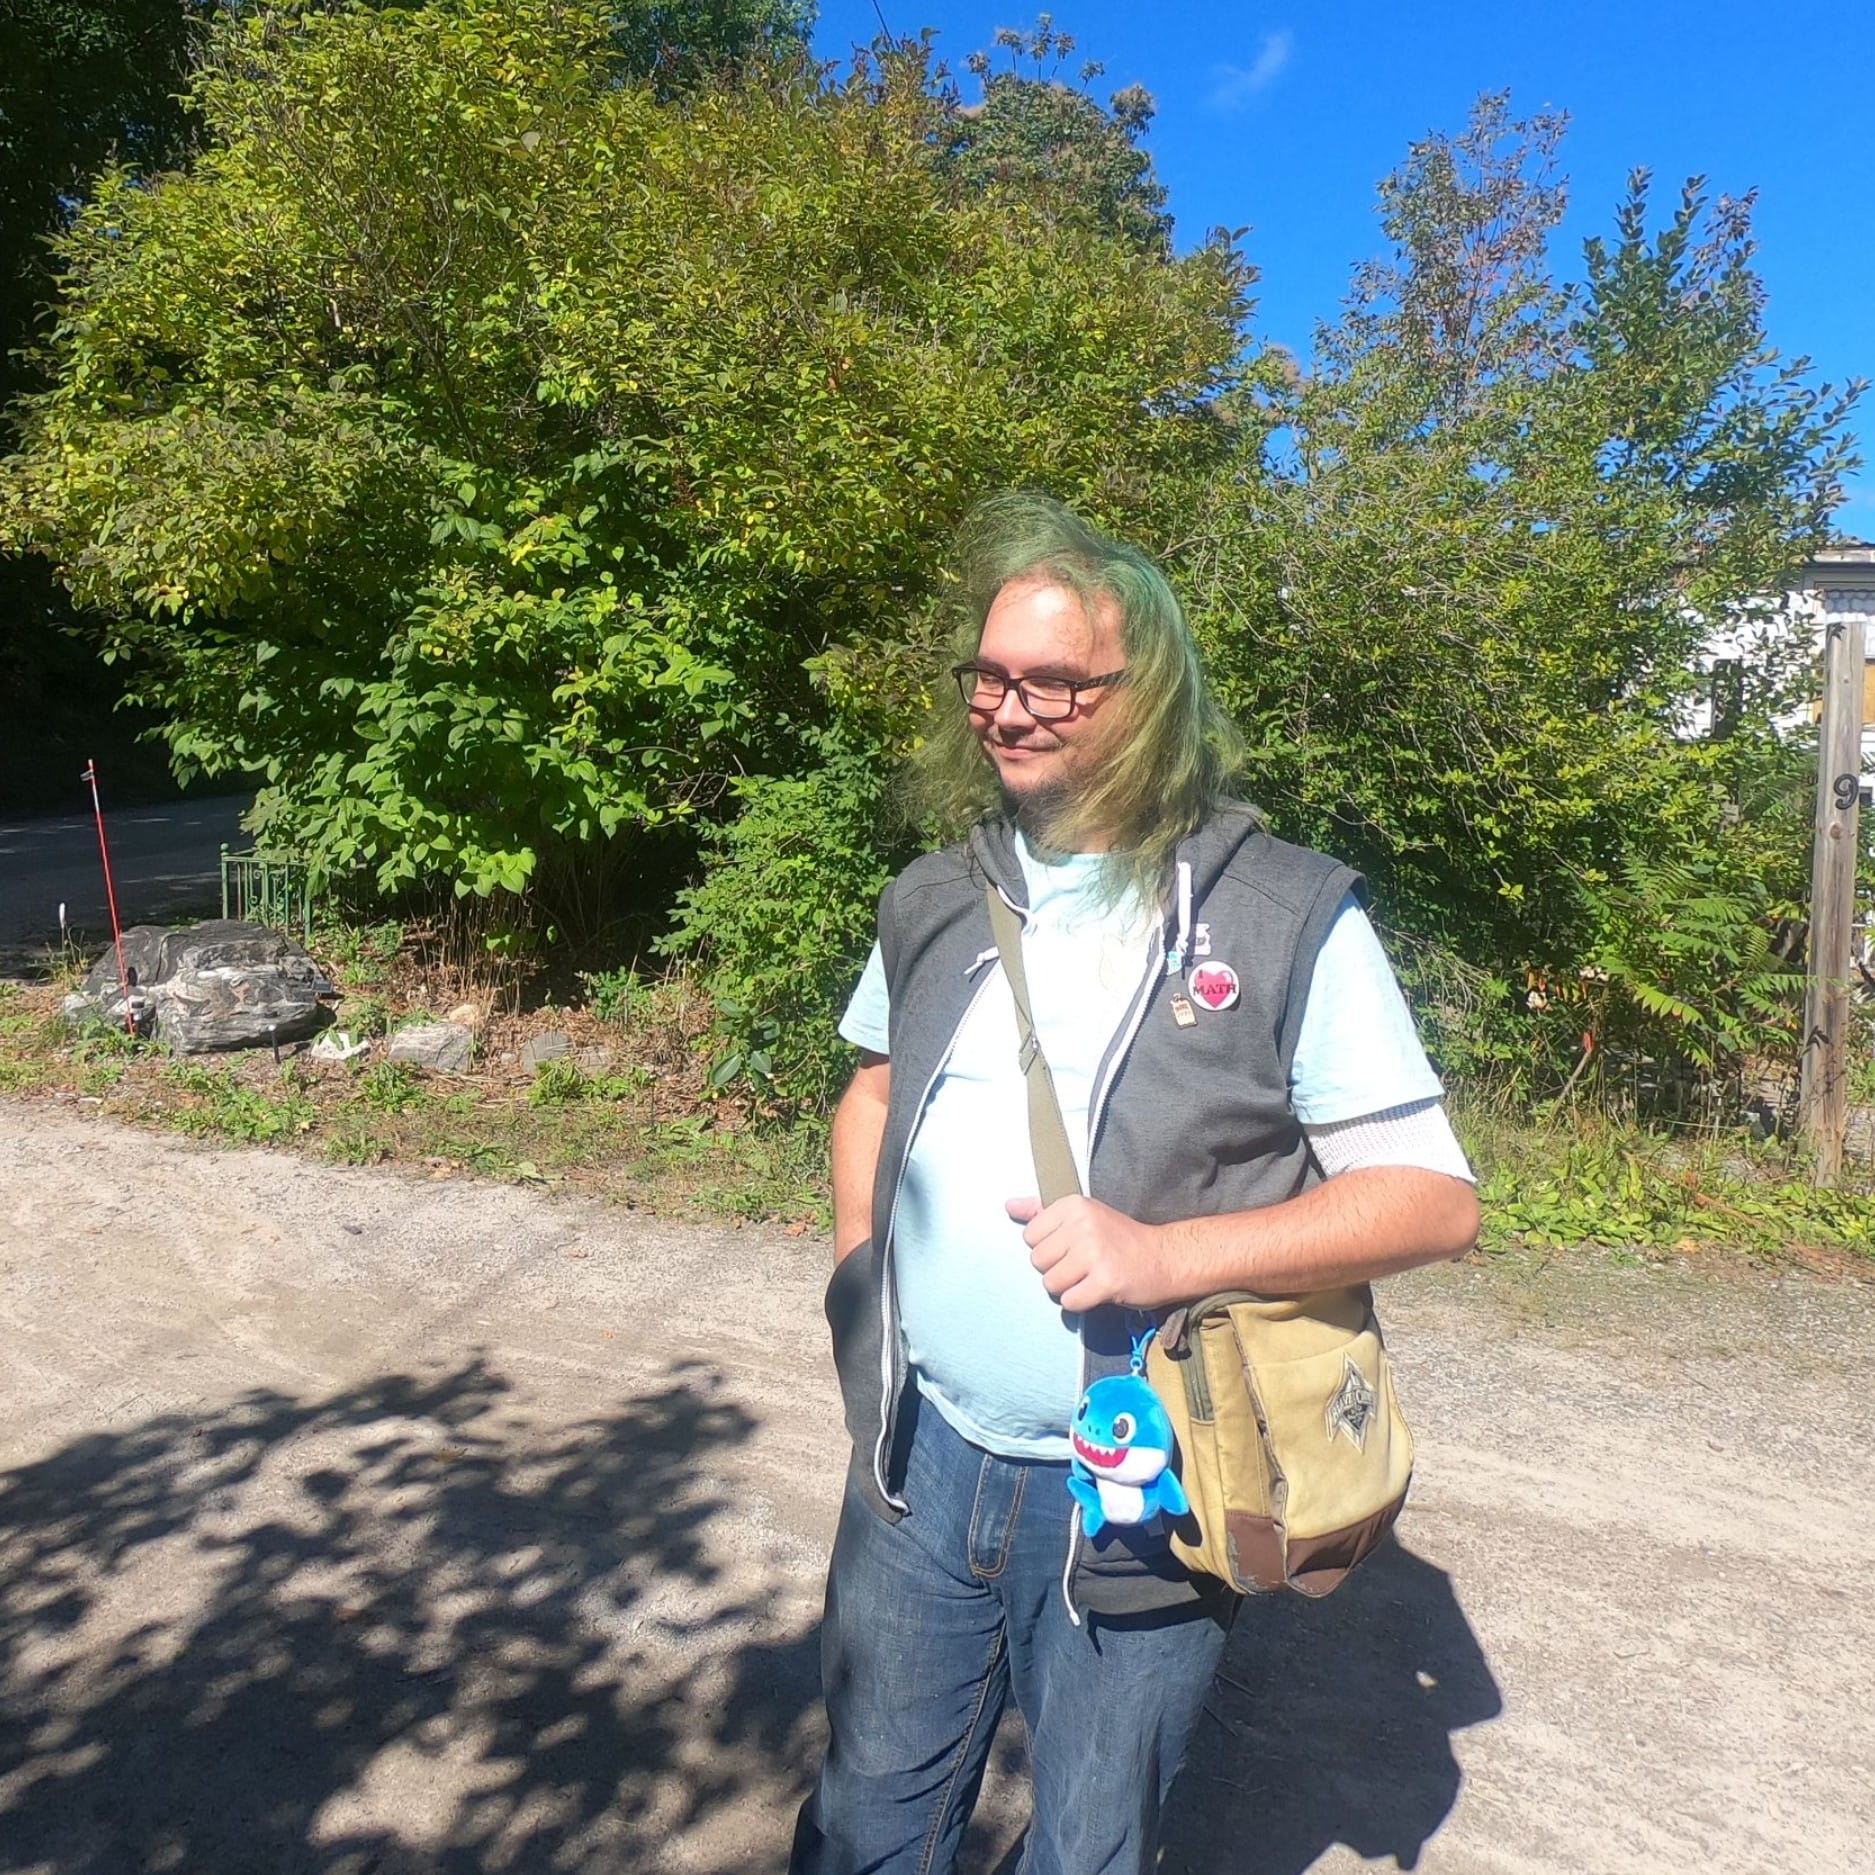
(932, 1623)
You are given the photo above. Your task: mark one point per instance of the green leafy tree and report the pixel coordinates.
(84, 86)
(479, 449)
(1462, 616)
(1038, 138)
(81, 85)
(679, 44)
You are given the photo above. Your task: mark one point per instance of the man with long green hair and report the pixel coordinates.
(1247, 1107)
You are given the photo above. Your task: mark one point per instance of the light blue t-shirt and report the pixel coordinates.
(993, 1351)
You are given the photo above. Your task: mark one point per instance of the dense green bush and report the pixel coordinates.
(476, 444)
(782, 918)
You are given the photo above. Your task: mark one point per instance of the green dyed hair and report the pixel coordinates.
(1172, 764)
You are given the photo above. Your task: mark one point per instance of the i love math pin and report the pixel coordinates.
(1215, 985)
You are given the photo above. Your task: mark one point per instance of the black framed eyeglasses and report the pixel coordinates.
(1047, 699)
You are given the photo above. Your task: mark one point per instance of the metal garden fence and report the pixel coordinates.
(268, 888)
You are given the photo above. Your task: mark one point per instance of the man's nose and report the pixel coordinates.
(1012, 712)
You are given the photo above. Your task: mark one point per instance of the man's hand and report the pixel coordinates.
(1089, 1253)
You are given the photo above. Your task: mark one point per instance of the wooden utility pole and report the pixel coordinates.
(1823, 1109)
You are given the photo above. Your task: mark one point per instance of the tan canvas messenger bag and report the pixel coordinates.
(1291, 1445)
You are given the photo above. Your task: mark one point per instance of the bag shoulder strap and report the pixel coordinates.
(1048, 1132)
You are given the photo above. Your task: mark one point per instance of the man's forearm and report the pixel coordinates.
(1350, 1228)
(858, 1127)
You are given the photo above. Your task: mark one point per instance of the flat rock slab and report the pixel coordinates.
(445, 1047)
(353, 1520)
(548, 1045)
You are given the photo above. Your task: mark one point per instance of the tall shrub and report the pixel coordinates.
(478, 442)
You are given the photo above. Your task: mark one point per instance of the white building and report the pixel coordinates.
(1835, 580)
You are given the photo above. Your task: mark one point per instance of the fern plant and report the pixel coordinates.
(1685, 964)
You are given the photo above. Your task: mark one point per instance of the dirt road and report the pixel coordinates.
(356, 1521)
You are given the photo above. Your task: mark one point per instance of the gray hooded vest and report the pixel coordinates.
(1189, 1118)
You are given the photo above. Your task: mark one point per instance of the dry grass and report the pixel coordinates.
(627, 1115)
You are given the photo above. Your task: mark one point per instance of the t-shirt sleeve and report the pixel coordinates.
(1358, 1052)
(866, 1023)
(1418, 1135)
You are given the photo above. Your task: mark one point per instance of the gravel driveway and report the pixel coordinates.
(360, 1521)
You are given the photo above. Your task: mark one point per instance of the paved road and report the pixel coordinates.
(167, 863)
(356, 1522)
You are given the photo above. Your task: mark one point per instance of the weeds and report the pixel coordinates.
(15, 1018)
(366, 1016)
(105, 1041)
(610, 994)
(557, 1083)
(360, 956)
(682, 1143)
(102, 1054)
(561, 1082)
(217, 1105)
(356, 1145)
(492, 1159)
(1623, 1189)
(23, 1074)
(769, 1175)
(390, 1087)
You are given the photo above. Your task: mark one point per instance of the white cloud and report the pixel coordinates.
(1233, 86)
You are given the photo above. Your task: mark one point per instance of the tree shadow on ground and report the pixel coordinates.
(1331, 1722)
(395, 1631)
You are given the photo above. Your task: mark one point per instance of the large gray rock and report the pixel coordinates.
(443, 1046)
(223, 983)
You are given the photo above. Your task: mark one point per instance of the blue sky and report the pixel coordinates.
(1283, 118)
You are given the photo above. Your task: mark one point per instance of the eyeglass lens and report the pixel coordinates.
(1043, 697)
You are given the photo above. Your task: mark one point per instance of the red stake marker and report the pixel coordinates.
(110, 894)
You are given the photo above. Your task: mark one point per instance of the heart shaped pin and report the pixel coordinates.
(1215, 985)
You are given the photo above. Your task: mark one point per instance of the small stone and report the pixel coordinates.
(470, 1016)
(442, 1046)
(337, 1045)
(548, 1045)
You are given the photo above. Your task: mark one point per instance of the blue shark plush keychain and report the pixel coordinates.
(1121, 1471)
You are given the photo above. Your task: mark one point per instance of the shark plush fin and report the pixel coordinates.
(1087, 1495)
(1172, 1498)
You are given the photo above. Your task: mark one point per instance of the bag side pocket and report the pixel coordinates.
(1340, 1446)
(1232, 1531)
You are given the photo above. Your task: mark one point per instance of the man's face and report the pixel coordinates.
(1039, 630)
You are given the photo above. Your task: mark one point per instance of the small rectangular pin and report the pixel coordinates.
(1183, 1014)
